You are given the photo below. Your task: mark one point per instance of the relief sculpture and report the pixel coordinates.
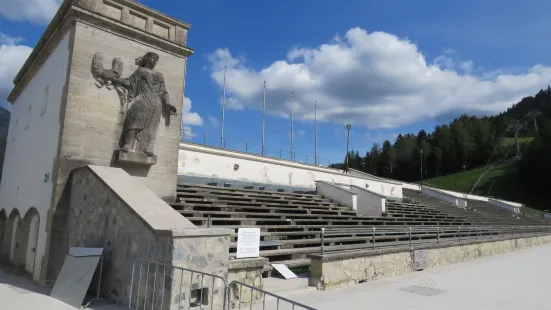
(145, 95)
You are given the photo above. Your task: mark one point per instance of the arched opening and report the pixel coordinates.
(27, 238)
(13, 241)
(9, 242)
(3, 224)
(32, 243)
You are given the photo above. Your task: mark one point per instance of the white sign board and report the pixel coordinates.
(248, 242)
(284, 271)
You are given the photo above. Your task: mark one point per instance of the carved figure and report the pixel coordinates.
(146, 92)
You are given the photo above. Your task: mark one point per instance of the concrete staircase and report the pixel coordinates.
(477, 212)
(291, 222)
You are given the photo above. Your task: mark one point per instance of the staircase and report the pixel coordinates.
(291, 222)
(477, 212)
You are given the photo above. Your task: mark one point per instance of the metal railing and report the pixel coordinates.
(156, 285)
(408, 237)
(152, 281)
(256, 148)
(259, 295)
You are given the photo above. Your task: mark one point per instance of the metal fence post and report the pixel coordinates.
(322, 239)
(491, 237)
(373, 231)
(476, 232)
(459, 234)
(502, 237)
(410, 246)
(437, 234)
(521, 232)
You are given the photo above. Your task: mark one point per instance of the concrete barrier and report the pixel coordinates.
(443, 196)
(211, 162)
(370, 203)
(338, 194)
(346, 268)
(504, 205)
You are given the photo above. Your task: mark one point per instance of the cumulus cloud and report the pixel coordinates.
(213, 121)
(376, 80)
(12, 57)
(36, 11)
(187, 133)
(190, 118)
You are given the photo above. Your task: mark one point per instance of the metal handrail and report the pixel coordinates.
(165, 265)
(253, 288)
(225, 294)
(448, 233)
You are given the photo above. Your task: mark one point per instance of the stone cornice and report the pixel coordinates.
(124, 17)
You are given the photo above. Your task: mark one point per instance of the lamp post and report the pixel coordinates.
(421, 152)
(348, 127)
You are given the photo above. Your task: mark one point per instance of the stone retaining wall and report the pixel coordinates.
(109, 209)
(248, 271)
(336, 270)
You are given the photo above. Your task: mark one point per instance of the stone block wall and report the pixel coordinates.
(98, 218)
(109, 209)
(248, 271)
(346, 271)
(335, 270)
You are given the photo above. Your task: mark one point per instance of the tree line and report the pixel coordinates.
(466, 143)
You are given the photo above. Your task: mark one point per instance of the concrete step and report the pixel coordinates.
(246, 191)
(279, 285)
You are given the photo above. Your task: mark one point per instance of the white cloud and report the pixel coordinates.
(190, 118)
(213, 121)
(380, 137)
(12, 57)
(8, 40)
(187, 133)
(36, 11)
(376, 80)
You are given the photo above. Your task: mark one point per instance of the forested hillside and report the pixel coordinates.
(469, 142)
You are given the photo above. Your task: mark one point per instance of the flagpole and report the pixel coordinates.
(315, 133)
(264, 120)
(292, 117)
(222, 139)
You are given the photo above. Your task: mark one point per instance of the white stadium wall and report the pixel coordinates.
(211, 162)
(337, 194)
(443, 196)
(369, 202)
(32, 144)
(358, 173)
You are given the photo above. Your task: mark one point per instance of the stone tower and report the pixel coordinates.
(103, 86)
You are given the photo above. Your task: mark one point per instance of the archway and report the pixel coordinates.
(27, 237)
(33, 221)
(3, 227)
(3, 223)
(8, 241)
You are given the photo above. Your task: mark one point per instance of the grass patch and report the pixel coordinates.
(501, 182)
(463, 182)
(508, 142)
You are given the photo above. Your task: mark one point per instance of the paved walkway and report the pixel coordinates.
(517, 280)
(17, 293)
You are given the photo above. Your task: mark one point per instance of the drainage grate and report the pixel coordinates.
(420, 290)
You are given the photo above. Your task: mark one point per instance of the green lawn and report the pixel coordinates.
(463, 182)
(500, 182)
(508, 142)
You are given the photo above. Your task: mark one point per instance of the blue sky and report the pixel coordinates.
(385, 67)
